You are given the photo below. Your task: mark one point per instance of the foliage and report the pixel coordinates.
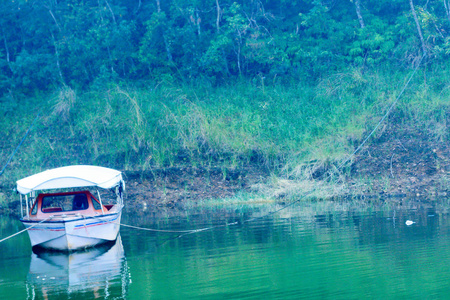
(292, 129)
(47, 44)
(291, 85)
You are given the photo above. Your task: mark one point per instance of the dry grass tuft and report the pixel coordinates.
(64, 101)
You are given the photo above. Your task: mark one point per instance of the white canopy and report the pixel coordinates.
(70, 177)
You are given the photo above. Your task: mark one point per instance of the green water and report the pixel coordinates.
(324, 250)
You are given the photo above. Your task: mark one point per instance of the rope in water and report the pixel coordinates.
(161, 230)
(26, 229)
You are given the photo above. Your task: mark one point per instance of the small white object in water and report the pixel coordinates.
(409, 222)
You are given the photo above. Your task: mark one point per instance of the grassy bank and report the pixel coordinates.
(296, 131)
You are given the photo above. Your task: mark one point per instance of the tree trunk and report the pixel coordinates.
(54, 19)
(139, 6)
(166, 43)
(218, 16)
(169, 54)
(197, 22)
(358, 13)
(7, 49)
(49, 6)
(100, 9)
(110, 59)
(238, 54)
(57, 60)
(419, 30)
(447, 8)
(7, 52)
(111, 11)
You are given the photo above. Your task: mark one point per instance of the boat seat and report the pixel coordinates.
(51, 209)
(80, 202)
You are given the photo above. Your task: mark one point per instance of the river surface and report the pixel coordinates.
(321, 250)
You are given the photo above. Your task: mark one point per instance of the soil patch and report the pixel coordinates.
(403, 161)
(172, 187)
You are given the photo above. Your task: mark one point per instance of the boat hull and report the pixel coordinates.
(73, 233)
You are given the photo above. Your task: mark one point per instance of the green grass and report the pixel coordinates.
(294, 129)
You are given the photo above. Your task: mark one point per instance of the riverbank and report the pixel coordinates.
(403, 161)
(399, 163)
(188, 145)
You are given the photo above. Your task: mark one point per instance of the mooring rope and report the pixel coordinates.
(341, 165)
(148, 229)
(162, 230)
(385, 115)
(22, 231)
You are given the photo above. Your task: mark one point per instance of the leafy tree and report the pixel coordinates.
(50, 43)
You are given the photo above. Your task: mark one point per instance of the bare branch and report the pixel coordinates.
(419, 30)
(112, 13)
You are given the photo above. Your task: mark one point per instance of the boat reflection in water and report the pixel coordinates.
(99, 272)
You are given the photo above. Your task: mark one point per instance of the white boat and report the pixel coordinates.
(74, 219)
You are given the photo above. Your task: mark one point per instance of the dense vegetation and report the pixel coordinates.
(78, 43)
(146, 84)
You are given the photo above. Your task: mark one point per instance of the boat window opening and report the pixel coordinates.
(54, 203)
(34, 209)
(57, 203)
(96, 203)
(80, 202)
(100, 199)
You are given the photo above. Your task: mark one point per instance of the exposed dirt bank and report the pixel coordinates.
(177, 186)
(401, 162)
